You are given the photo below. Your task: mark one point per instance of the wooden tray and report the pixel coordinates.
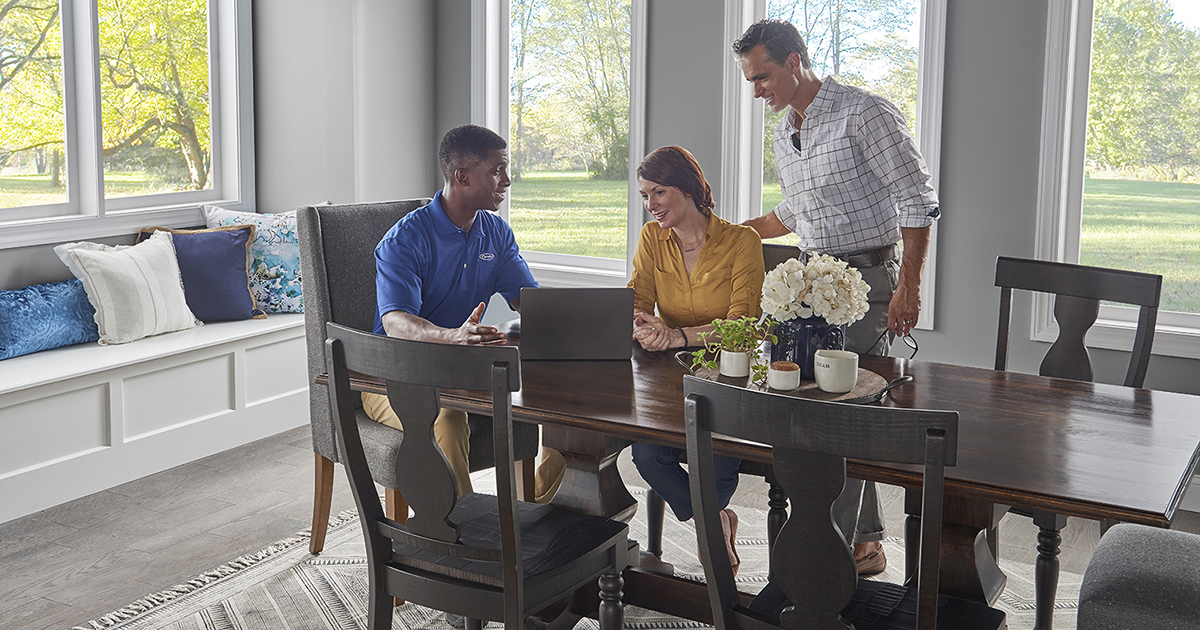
(868, 383)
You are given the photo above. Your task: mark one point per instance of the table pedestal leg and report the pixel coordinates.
(968, 569)
(591, 483)
(1045, 571)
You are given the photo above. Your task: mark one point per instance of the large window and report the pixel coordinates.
(569, 68)
(1130, 122)
(121, 113)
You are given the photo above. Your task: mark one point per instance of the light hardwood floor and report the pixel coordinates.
(72, 563)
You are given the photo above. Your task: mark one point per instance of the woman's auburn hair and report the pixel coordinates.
(675, 167)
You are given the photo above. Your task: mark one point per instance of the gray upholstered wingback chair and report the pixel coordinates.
(337, 256)
(1142, 577)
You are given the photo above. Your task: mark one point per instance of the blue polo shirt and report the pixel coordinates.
(426, 266)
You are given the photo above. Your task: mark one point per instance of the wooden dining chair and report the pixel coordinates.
(1078, 291)
(815, 582)
(773, 254)
(337, 254)
(485, 557)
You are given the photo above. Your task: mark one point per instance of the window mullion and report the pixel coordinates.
(81, 101)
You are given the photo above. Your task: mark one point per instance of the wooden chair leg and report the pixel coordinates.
(524, 469)
(322, 498)
(395, 508)
(655, 512)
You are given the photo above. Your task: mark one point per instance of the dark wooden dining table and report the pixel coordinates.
(1068, 447)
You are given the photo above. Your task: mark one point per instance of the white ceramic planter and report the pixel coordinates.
(735, 364)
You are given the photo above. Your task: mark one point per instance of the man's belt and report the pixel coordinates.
(869, 258)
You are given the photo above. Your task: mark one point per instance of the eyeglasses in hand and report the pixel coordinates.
(908, 340)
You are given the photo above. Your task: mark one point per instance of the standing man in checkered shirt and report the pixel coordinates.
(854, 185)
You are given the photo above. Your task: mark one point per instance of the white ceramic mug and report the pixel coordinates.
(836, 371)
(783, 376)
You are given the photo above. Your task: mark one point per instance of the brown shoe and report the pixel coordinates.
(869, 558)
(729, 523)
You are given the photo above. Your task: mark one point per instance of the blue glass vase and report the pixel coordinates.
(798, 340)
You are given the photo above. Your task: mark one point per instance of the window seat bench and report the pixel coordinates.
(85, 418)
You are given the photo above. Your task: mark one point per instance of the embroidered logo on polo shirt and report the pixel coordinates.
(487, 256)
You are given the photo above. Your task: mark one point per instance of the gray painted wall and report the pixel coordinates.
(344, 100)
(685, 58)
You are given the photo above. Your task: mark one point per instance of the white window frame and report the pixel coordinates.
(490, 108)
(1060, 187)
(741, 142)
(86, 214)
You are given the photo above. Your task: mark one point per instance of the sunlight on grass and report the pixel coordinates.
(19, 191)
(1153, 227)
(569, 213)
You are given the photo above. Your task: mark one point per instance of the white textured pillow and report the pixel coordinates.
(136, 290)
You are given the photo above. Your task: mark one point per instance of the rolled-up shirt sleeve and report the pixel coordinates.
(891, 153)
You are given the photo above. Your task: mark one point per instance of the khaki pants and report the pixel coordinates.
(453, 435)
(450, 430)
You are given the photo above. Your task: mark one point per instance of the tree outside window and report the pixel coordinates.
(32, 128)
(154, 99)
(569, 116)
(1141, 196)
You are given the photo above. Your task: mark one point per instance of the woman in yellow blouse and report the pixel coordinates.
(694, 267)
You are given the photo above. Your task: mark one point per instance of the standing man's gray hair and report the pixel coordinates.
(777, 37)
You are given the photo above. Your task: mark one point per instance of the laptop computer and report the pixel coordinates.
(576, 324)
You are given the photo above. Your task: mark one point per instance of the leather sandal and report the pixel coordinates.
(729, 523)
(873, 562)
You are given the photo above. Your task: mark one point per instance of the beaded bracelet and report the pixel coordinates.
(680, 329)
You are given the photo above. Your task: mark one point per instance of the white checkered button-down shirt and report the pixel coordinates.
(858, 178)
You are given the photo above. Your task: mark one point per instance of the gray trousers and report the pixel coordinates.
(858, 509)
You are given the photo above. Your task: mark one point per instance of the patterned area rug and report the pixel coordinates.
(285, 587)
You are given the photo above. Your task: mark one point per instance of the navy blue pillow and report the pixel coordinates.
(213, 266)
(45, 316)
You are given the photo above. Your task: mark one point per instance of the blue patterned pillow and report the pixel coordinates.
(45, 316)
(274, 257)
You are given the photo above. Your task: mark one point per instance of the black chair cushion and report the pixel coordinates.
(551, 537)
(886, 606)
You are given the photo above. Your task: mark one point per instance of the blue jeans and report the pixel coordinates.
(659, 466)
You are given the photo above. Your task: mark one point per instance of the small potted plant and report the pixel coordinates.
(732, 347)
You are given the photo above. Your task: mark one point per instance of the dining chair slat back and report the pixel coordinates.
(1078, 291)
(814, 580)
(482, 556)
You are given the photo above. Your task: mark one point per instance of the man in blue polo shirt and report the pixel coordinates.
(436, 269)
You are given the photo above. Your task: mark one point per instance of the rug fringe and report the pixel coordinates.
(207, 578)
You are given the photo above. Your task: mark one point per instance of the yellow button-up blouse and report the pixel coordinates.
(726, 281)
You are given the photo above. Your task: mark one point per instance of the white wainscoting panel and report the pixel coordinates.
(53, 428)
(272, 370)
(171, 396)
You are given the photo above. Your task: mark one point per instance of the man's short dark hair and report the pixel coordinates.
(466, 147)
(778, 38)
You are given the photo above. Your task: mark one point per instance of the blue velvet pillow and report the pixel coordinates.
(45, 316)
(214, 267)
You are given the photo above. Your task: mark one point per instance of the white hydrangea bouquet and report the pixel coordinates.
(825, 287)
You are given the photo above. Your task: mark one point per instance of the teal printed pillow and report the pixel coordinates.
(274, 257)
(45, 316)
